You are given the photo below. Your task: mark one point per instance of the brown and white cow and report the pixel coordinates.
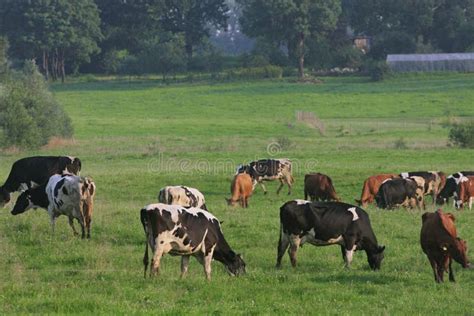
(371, 187)
(269, 170)
(434, 181)
(439, 241)
(241, 190)
(186, 232)
(319, 187)
(65, 194)
(465, 192)
(182, 195)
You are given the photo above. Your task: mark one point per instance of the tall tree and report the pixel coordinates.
(193, 19)
(53, 31)
(289, 22)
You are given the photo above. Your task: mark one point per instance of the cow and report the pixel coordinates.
(327, 223)
(29, 172)
(319, 187)
(434, 181)
(465, 192)
(420, 191)
(397, 192)
(184, 232)
(182, 195)
(451, 185)
(371, 187)
(241, 190)
(64, 194)
(269, 170)
(439, 241)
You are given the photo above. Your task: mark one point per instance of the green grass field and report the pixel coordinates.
(135, 138)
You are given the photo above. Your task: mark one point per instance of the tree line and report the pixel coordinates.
(169, 36)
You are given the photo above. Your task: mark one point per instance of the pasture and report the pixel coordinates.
(134, 138)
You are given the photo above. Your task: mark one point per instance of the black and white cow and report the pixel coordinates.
(434, 181)
(327, 223)
(269, 170)
(452, 182)
(29, 172)
(397, 192)
(182, 195)
(182, 231)
(66, 194)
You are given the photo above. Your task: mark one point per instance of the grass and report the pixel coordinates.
(135, 138)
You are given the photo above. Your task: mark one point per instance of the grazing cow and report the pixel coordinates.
(397, 192)
(441, 244)
(371, 187)
(241, 190)
(269, 170)
(465, 192)
(66, 194)
(420, 191)
(182, 195)
(434, 181)
(327, 223)
(319, 187)
(451, 186)
(184, 232)
(29, 172)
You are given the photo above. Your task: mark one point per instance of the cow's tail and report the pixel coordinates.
(144, 220)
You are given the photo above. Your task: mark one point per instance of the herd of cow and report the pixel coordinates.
(180, 224)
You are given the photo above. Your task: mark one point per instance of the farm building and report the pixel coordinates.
(462, 62)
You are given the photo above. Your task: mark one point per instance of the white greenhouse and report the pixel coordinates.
(461, 62)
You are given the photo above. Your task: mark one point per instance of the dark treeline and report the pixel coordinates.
(169, 36)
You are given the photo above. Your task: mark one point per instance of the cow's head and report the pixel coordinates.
(4, 196)
(375, 258)
(236, 266)
(23, 203)
(458, 251)
(230, 201)
(75, 166)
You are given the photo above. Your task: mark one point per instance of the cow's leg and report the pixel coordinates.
(207, 263)
(434, 266)
(155, 262)
(441, 270)
(470, 202)
(280, 187)
(263, 187)
(451, 273)
(349, 249)
(283, 243)
(71, 223)
(295, 242)
(184, 265)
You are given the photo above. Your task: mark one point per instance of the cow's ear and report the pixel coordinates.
(381, 249)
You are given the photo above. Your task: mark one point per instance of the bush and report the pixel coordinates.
(462, 135)
(377, 70)
(31, 115)
(255, 73)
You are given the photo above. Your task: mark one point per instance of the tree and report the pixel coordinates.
(289, 22)
(193, 19)
(53, 31)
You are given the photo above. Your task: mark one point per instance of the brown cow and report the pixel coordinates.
(319, 187)
(241, 189)
(440, 243)
(465, 192)
(371, 187)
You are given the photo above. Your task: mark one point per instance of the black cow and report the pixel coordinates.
(396, 192)
(269, 170)
(451, 185)
(30, 172)
(184, 232)
(327, 223)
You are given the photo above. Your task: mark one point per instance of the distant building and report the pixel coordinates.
(460, 62)
(363, 43)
